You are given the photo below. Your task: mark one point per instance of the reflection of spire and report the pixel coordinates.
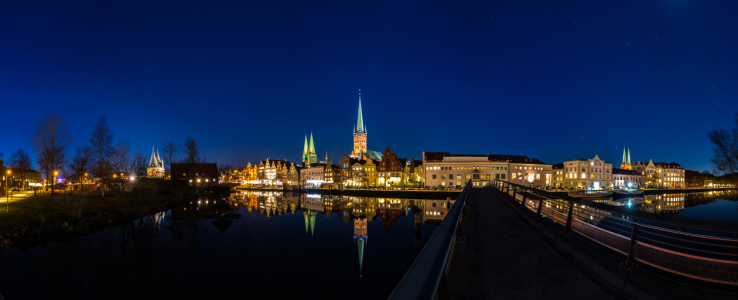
(312, 222)
(304, 213)
(361, 238)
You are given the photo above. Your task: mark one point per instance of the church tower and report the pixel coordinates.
(359, 134)
(312, 157)
(156, 165)
(625, 165)
(308, 152)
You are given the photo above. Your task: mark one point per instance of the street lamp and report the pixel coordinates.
(7, 193)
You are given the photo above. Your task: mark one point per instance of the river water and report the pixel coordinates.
(713, 206)
(284, 245)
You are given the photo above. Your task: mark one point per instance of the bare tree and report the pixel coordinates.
(102, 148)
(81, 163)
(725, 152)
(50, 140)
(192, 153)
(224, 168)
(170, 153)
(121, 158)
(22, 163)
(139, 164)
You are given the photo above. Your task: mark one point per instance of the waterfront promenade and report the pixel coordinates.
(510, 254)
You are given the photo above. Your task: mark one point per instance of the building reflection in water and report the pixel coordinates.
(357, 210)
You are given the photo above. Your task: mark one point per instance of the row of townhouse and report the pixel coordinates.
(446, 169)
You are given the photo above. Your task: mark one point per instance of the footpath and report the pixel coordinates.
(511, 254)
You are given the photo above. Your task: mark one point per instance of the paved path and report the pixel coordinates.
(511, 254)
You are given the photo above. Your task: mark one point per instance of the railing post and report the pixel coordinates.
(628, 264)
(523, 202)
(515, 189)
(540, 206)
(567, 230)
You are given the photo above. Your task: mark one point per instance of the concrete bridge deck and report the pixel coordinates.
(511, 254)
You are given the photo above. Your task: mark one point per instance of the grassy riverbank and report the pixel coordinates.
(32, 219)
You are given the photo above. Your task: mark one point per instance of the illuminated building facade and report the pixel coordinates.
(156, 165)
(593, 173)
(446, 169)
(627, 178)
(661, 174)
(360, 139)
(390, 169)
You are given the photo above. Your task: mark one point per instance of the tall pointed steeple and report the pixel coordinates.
(360, 119)
(312, 146)
(305, 149)
(152, 160)
(623, 155)
(628, 155)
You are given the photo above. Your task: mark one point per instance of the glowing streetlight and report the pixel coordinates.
(7, 193)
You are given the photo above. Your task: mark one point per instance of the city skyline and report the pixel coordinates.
(248, 83)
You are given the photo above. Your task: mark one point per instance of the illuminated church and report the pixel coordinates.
(308, 152)
(156, 165)
(360, 137)
(626, 163)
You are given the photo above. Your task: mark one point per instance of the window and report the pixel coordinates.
(450, 176)
(476, 176)
(538, 176)
(443, 176)
(502, 176)
(468, 176)
(434, 175)
(497, 176)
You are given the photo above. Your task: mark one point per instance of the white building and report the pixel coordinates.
(592, 173)
(313, 175)
(661, 174)
(446, 169)
(627, 178)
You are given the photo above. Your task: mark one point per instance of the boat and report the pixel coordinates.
(629, 192)
(589, 194)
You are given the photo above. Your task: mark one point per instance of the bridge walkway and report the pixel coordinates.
(510, 254)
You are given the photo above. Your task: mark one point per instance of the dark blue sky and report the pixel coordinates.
(552, 79)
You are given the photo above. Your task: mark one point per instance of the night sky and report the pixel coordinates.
(554, 80)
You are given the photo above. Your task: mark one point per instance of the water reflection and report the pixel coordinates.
(677, 203)
(201, 244)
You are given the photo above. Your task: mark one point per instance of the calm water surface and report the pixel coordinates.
(284, 246)
(714, 206)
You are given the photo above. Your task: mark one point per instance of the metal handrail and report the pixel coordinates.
(600, 207)
(610, 231)
(424, 276)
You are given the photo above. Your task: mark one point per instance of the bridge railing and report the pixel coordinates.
(702, 250)
(423, 279)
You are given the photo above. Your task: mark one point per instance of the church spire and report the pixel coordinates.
(628, 155)
(360, 120)
(623, 154)
(152, 161)
(305, 148)
(312, 146)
